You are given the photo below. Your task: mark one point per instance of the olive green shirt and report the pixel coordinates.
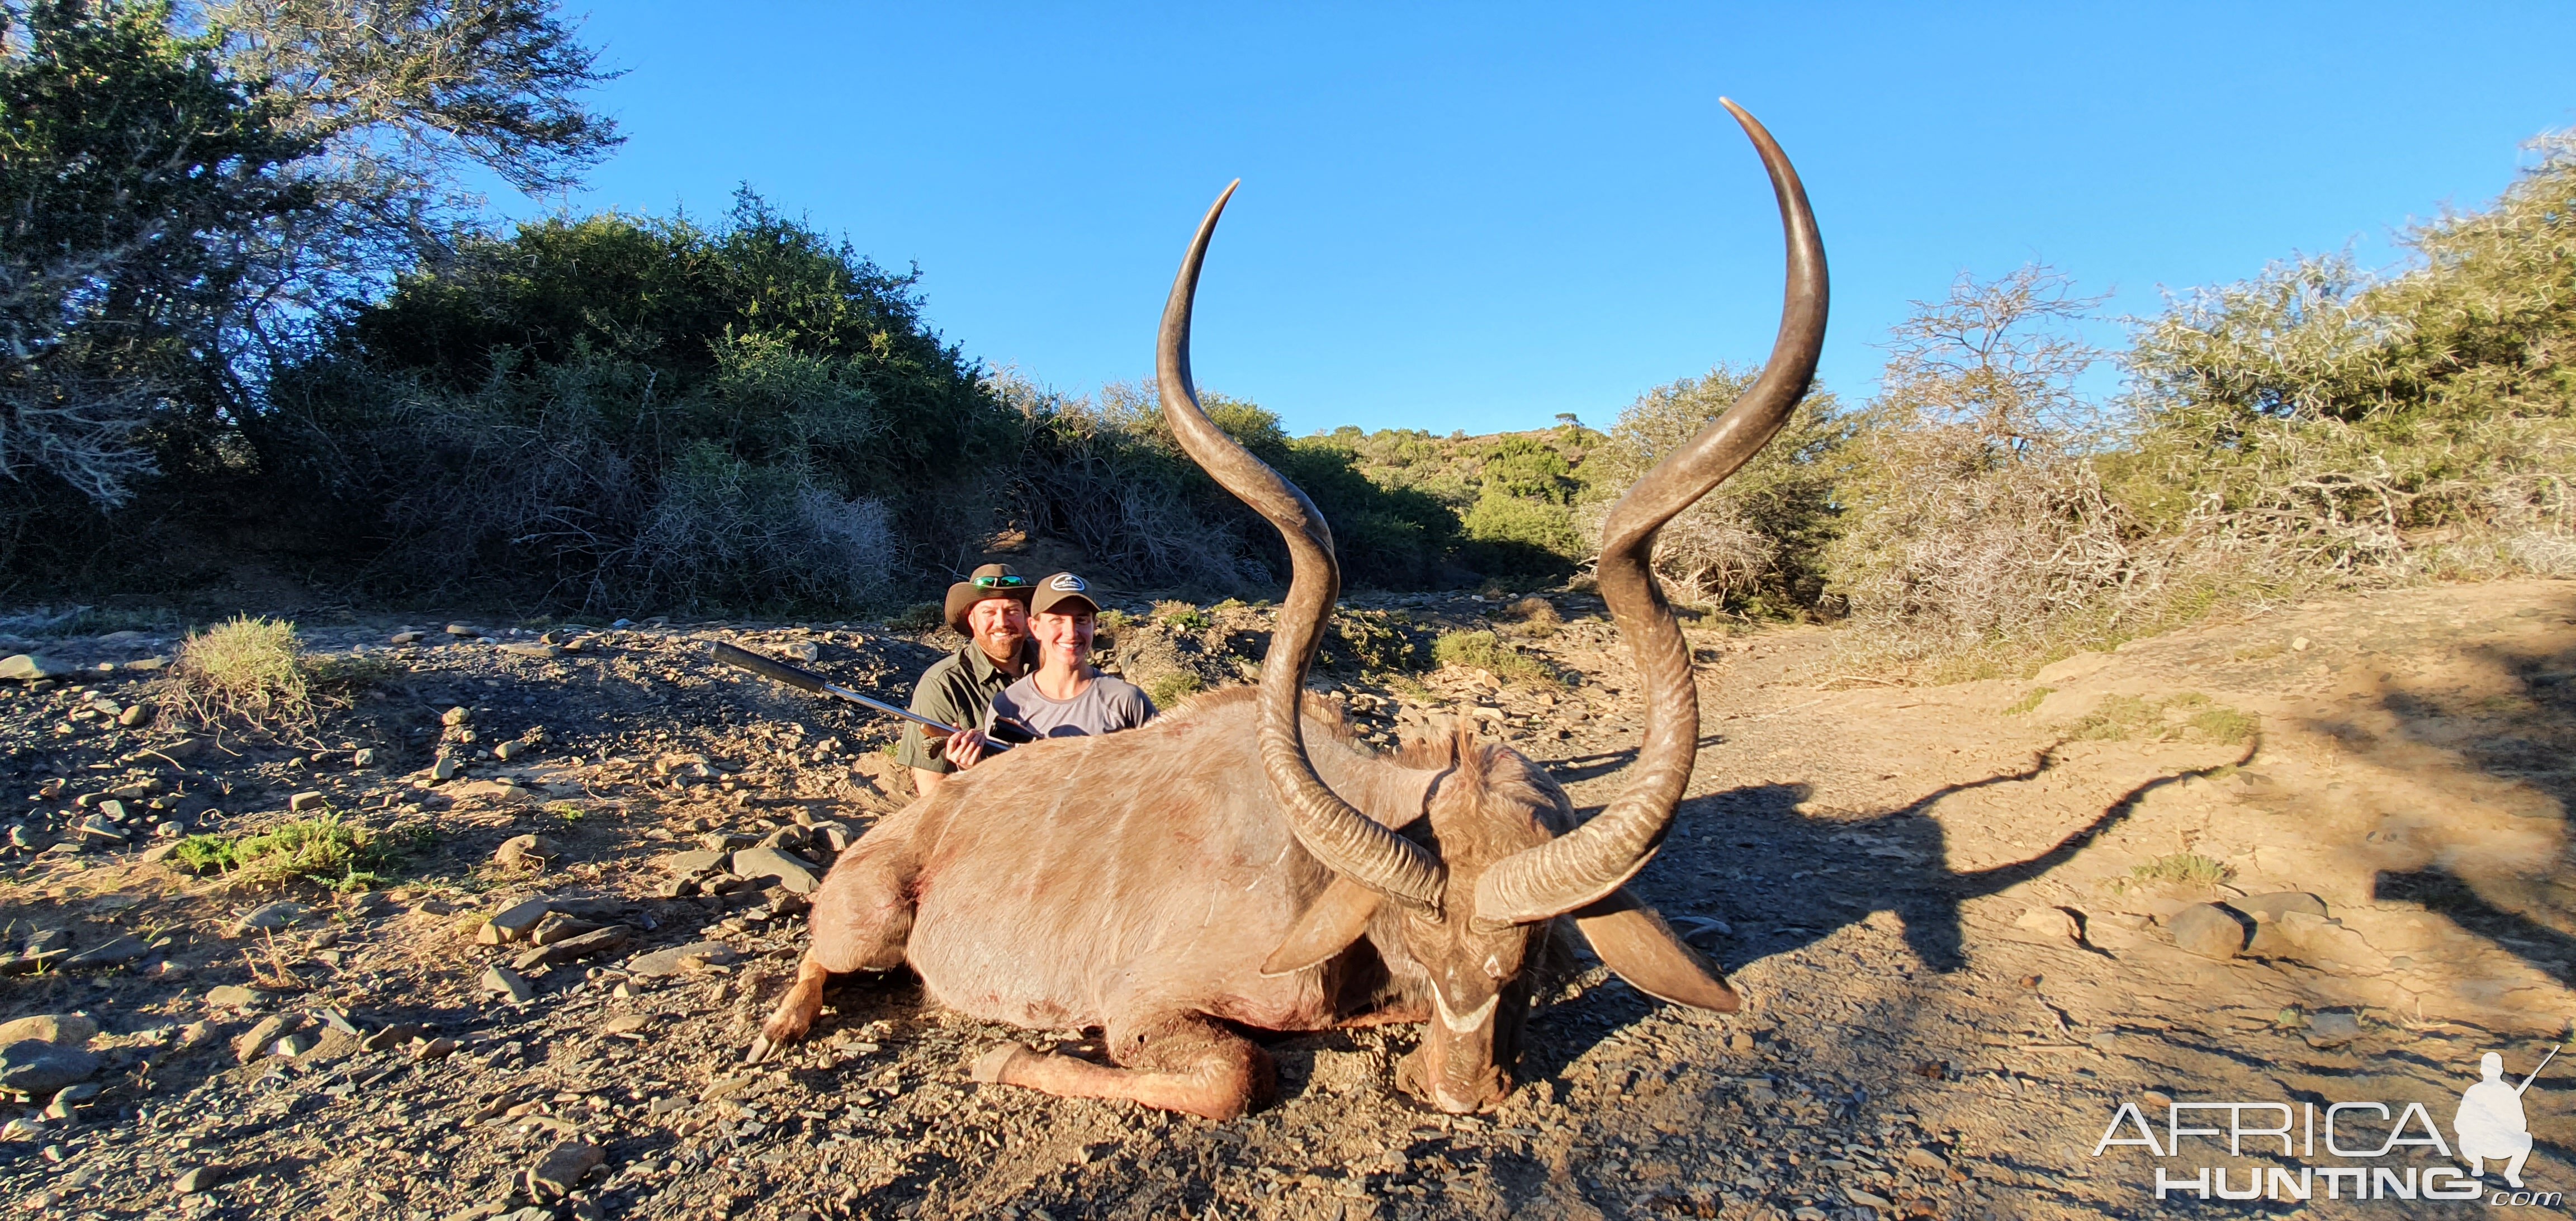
(956, 690)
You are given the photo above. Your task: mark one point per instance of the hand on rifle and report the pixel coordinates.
(965, 749)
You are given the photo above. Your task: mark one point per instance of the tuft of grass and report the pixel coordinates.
(320, 850)
(1171, 688)
(1537, 617)
(2190, 868)
(2189, 714)
(1486, 651)
(2030, 701)
(567, 811)
(251, 668)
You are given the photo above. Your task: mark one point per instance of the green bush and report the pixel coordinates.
(322, 850)
(1488, 652)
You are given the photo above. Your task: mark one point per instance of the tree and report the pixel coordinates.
(190, 193)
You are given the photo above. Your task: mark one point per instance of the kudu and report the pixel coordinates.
(1244, 863)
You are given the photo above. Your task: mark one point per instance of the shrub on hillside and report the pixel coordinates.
(617, 413)
(1753, 546)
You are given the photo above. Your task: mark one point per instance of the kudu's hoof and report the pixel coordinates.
(989, 1067)
(761, 1049)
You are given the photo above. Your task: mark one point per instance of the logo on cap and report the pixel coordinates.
(1065, 582)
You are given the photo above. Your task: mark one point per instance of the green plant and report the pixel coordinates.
(1488, 652)
(567, 811)
(249, 668)
(1181, 617)
(1171, 687)
(321, 850)
(2188, 868)
(2029, 701)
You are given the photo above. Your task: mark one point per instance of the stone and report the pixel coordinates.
(512, 923)
(558, 926)
(1867, 1199)
(261, 1036)
(305, 802)
(396, 1035)
(2332, 1029)
(198, 1179)
(527, 852)
(28, 668)
(455, 716)
(463, 629)
(365, 756)
(446, 768)
(433, 1049)
(116, 951)
(575, 948)
(66, 1029)
(234, 996)
(136, 715)
(803, 650)
(680, 958)
(791, 873)
(688, 864)
(71, 1096)
(507, 751)
(562, 1167)
(627, 1023)
(838, 836)
(285, 913)
(406, 636)
(2209, 930)
(2049, 924)
(502, 981)
(1926, 1159)
(35, 1066)
(2279, 903)
(292, 1046)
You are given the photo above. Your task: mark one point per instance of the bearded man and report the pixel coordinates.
(991, 609)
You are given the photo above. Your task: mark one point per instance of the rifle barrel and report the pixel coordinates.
(806, 680)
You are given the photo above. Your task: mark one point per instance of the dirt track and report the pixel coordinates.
(1932, 895)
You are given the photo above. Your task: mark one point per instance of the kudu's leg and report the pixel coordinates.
(862, 919)
(1173, 1062)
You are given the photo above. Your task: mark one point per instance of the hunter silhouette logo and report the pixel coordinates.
(2490, 1123)
(2375, 1141)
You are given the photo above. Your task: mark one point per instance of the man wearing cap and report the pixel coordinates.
(1066, 696)
(990, 607)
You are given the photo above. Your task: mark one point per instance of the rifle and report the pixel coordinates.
(1005, 733)
(2535, 1073)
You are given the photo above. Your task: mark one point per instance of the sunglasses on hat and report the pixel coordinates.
(1011, 582)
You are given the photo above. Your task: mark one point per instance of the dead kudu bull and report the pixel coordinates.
(1243, 862)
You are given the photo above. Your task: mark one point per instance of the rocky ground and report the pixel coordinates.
(1966, 917)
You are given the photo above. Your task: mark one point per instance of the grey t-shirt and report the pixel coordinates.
(1106, 706)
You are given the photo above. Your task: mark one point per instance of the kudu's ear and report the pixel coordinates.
(1635, 942)
(1329, 925)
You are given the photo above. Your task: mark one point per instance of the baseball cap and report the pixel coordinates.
(1060, 593)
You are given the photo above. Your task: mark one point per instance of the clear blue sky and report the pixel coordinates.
(1478, 216)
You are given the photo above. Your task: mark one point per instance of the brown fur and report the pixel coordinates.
(1137, 883)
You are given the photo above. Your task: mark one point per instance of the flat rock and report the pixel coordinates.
(2280, 903)
(563, 1166)
(270, 916)
(680, 958)
(503, 981)
(27, 668)
(306, 802)
(2209, 930)
(791, 873)
(198, 1178)
(513, 922)
(2332, 1029)
(695, 862)
(572, 949)
(67, 1029)
(123, 948)
(35, 1066)
(2048, 924)
(234, 996)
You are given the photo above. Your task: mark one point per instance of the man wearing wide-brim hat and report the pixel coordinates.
(991, 609)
